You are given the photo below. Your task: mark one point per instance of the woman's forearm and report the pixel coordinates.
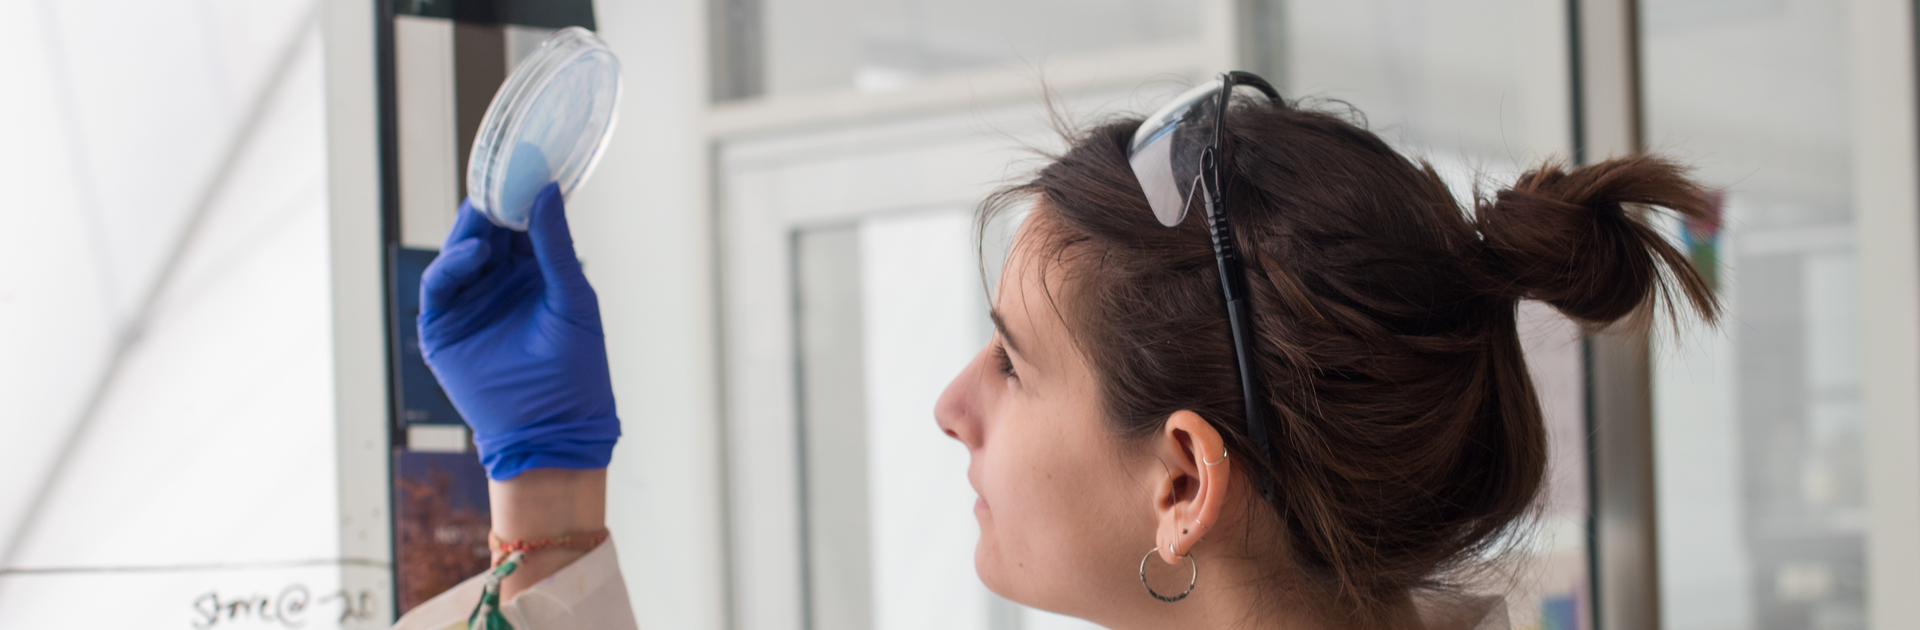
(544, 503)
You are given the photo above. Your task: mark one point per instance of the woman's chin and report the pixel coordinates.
(1010, 581)
(988, 560)
(987, 566)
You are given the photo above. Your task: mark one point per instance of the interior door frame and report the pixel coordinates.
(785, 163)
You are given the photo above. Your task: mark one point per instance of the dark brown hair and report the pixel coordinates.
(1407, 433)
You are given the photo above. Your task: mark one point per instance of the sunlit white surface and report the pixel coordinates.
(920, 298)
(207, 470)
(57, 313)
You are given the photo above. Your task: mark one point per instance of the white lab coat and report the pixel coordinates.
(590, 595)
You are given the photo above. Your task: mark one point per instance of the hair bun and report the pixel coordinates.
(1573, 239)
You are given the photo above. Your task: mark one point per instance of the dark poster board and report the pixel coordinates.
(440, 523)
(439, 498)
(416, 392)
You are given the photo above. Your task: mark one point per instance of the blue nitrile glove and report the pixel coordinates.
(512, 329)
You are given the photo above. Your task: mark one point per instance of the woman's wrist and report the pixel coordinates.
(544, 503)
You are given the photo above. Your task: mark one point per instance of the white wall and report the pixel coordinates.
(643, 226)
(1881, 50)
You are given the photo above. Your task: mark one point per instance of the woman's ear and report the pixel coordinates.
(1187, 502)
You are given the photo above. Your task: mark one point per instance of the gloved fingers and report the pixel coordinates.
(553, 246)
(457, 266)
(520, 246)
(487, 302)
(469, 223)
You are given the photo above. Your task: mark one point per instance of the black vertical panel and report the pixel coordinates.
(389, 113)
(389, 209)
(540, 13)
(546, 13)
(422, 8)
(479, 67)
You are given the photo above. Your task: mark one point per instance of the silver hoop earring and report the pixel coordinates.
(1191, 580)
(1223, 460)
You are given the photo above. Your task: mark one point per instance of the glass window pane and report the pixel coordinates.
(922, 277)
(1481, 89)
(879, 45)
(833, 429)
(889, 309)
(1762, 517)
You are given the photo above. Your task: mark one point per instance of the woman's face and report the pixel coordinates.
(1065, 509)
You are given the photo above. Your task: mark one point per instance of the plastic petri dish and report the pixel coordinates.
(549, 122)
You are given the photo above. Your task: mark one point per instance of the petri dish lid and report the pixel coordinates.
(549, 122)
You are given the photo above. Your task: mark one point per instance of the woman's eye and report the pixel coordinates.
(1004, 362)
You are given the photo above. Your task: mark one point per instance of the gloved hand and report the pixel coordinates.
(512, 329)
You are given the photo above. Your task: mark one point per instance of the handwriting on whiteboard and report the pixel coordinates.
(292, 607)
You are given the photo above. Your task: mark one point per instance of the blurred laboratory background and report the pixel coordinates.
(214, 413)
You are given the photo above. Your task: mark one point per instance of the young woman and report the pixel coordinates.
(1260, 349)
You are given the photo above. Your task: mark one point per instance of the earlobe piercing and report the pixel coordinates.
(1192, 578)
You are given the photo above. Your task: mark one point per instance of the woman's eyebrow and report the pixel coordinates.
(1000, 324)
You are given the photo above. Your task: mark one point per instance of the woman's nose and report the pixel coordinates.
(957, 413)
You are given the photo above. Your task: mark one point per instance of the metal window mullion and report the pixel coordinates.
(1623, 544)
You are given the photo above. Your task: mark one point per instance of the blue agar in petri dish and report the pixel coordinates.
(549, 122)
(527, 171)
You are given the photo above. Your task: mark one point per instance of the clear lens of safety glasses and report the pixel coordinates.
(1165, 152)
(549, 122)
(1169, 156)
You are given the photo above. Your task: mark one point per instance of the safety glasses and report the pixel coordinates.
(1176, 154)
